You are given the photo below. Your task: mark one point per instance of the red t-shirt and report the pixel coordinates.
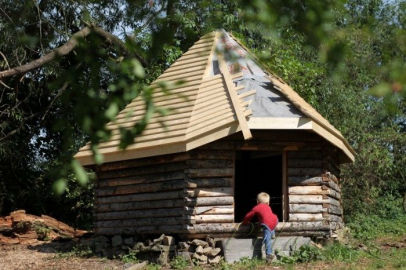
(265, 215)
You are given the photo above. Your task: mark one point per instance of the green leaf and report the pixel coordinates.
(59, 186)
(80, 173)
(138, 70)
(381, 90)
(111, 111)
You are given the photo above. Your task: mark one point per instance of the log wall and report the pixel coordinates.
(192, 194)
(143, 196)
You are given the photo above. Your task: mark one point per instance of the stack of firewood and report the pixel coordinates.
(201, 252)
(22, 228)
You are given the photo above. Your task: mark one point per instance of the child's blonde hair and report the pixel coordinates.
(263, 197)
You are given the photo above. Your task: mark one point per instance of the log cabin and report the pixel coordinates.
(233, 129)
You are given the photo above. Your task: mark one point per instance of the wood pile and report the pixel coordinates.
(22, 228)
(200, 252)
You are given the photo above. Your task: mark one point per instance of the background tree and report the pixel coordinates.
(335, 54)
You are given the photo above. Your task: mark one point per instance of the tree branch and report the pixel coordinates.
(66, 49)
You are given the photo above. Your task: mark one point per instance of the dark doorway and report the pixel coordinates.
(255, 172)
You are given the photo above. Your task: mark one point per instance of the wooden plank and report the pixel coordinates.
(234, 99)
(214, 218)
(305, 171)
(210, 201)
(141, 179)
(213, 210)
(171, 212)
(143, 170)
(142, 222)
(210, 192)
(209, 163)
(212, 182)
(140, 205)
(315, 199)
(306, 208)
(141, 197)
(151, 229)
(210, 154)
(143, 162)
(208, 173)
(306, 190)
(285, 194)
(246, 94)
(306, 217)
(305, 163)
(144, 188)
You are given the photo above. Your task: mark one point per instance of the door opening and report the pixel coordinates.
(257, 171)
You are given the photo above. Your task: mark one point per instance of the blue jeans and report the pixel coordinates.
(268, 233)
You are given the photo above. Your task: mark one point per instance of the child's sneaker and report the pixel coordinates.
(270, 258)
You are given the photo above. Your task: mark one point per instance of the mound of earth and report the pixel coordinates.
(22, 228)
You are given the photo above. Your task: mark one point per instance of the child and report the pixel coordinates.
(267, 219)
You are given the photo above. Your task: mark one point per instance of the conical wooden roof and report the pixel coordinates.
(213, 102)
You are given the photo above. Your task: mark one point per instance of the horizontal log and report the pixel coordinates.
(335, 210)
(307, 190)
(140, 179)
(306, 233)
(237, 227)
(306, 208)
(151, 229)
(144, 188)
(304, 155)
(306, 181)
(210, 163)
(305, 163)
(313, 199)
(306, 217)
(204, 173)
(143, 162)
(210, 201)
(140, 205)
(214, 218)
(210, 192)
(305, 171)
(152, 169)
(212, 182)
(212, 210)
(143, 222)
(211, 154)
(171, 212)
(258, 234)
(334, 194)
(142, 197)
(313, 181)
(334, 218)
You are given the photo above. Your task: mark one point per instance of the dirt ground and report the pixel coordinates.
(49, 256)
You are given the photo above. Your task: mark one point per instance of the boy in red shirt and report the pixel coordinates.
(267, 219)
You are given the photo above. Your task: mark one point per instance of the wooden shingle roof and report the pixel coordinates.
(207, 107)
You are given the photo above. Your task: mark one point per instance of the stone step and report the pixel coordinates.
(234, 248)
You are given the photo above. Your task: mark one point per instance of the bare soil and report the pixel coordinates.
(49, 256)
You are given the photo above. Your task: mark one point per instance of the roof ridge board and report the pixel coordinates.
(234, 98)
(207, 67)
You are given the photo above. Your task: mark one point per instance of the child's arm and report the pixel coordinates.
(249, 216)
